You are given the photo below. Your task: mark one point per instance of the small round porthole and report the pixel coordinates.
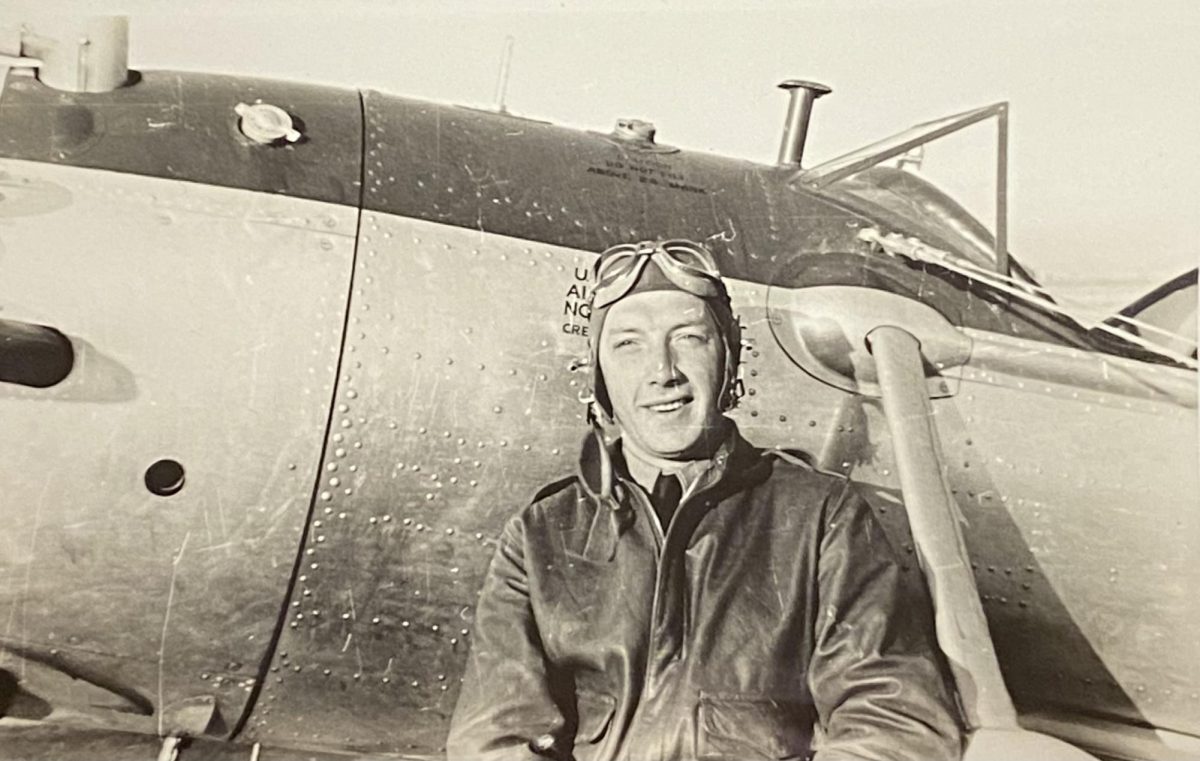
(164, 478)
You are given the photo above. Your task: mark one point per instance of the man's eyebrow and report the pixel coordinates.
(636, 327)
(695, 322)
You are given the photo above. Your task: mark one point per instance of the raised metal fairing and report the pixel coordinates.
(33, 355)
(823, 329)
(1081, 370)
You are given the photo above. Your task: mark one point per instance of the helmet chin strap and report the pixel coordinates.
(606, 466)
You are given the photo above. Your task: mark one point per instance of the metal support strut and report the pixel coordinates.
(937, 530)
(874, 343)
(962, 628)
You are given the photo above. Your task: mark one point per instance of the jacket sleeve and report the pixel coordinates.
(876, 675)
(506, 698)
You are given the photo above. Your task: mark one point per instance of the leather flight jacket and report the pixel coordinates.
(772, 619)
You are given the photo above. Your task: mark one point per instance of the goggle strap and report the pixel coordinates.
(698, 284)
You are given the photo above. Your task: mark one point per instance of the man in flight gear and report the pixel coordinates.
(686, 595)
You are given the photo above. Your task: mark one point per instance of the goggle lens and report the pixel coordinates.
(685, 264)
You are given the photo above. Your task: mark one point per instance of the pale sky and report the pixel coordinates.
(1104, 100)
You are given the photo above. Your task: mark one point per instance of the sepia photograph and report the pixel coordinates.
(599, 381)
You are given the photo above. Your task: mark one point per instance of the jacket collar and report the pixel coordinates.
(645, 470)
(735, 462)
(593, 461)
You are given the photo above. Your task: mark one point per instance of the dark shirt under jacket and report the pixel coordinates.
(772, 619)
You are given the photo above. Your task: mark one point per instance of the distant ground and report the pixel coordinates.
(1097, 297)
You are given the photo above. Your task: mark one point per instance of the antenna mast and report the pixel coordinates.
(502, 79)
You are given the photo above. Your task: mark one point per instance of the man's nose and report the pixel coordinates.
(664, 370)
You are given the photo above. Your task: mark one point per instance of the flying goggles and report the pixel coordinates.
(687, 265)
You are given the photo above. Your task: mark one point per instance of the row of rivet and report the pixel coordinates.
(1060, 392)
(340, 452)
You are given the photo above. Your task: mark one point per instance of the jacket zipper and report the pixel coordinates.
(690, 495)
(660, 534)
(656, 529)
(660, 538)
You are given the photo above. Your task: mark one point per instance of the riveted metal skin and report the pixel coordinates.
(454, 405)
(1064, 529)
(356, 520)
(206, 324)
(184, 127)
(545, 183)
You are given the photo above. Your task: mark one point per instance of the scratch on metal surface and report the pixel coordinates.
(353, 612)
(726, 236)
(349, 639)
(208, 528)
(478, 199)
(414, 384)
(431, 405)
(221, 514)
(254, 353)
(37, 522)
(296, 223)
(768, 204)
(278, 515)
(533, 389)
(221, 546)
(437, 141)
(162, 642)
(455, 407)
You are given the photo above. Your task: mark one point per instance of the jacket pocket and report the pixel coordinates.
(595, 711)
(753, 727)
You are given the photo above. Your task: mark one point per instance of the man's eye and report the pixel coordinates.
(691, 338)
(622, 342)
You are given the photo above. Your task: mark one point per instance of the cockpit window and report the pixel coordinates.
(919, 221)
(916, 197)
(1166, 315)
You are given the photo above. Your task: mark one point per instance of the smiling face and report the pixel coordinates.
(661, 357)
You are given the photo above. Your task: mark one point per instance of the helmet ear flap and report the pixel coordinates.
(733, 395)
(732, 388)
(594, 393)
